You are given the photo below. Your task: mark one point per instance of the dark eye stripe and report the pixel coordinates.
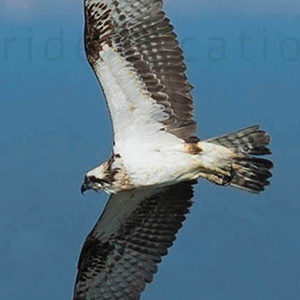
(95, 179)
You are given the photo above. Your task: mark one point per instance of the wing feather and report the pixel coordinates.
(139, 32)
(121, 253)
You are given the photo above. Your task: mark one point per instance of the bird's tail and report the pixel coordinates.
(243, 169)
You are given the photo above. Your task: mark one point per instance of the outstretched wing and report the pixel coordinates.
(121, 253)
(134, 52)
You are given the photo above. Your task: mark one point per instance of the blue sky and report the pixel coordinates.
(244, 61)
(31, 8)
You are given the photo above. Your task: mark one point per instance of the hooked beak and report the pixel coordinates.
(85, 186)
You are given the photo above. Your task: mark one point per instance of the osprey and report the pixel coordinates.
(156, 158)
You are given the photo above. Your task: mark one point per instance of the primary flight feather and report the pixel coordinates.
(156, 158)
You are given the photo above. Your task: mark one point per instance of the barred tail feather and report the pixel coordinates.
(247, 171)
(251, 174)
(250, 140)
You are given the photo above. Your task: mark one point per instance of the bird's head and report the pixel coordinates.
(97, 179)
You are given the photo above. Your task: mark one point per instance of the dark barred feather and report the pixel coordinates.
(122, 253)
(250, 140)
(142, 34)
(248, 172)
(252, 174)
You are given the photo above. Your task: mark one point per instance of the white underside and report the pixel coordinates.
(150, 155)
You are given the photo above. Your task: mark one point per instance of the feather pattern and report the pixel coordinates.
(121, 253)
(249, 140)
(248, 172)
(142, 35)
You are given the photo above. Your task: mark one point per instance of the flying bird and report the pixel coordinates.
(156, 156)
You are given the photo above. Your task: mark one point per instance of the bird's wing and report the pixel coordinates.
(133, 50)
(136, 229)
